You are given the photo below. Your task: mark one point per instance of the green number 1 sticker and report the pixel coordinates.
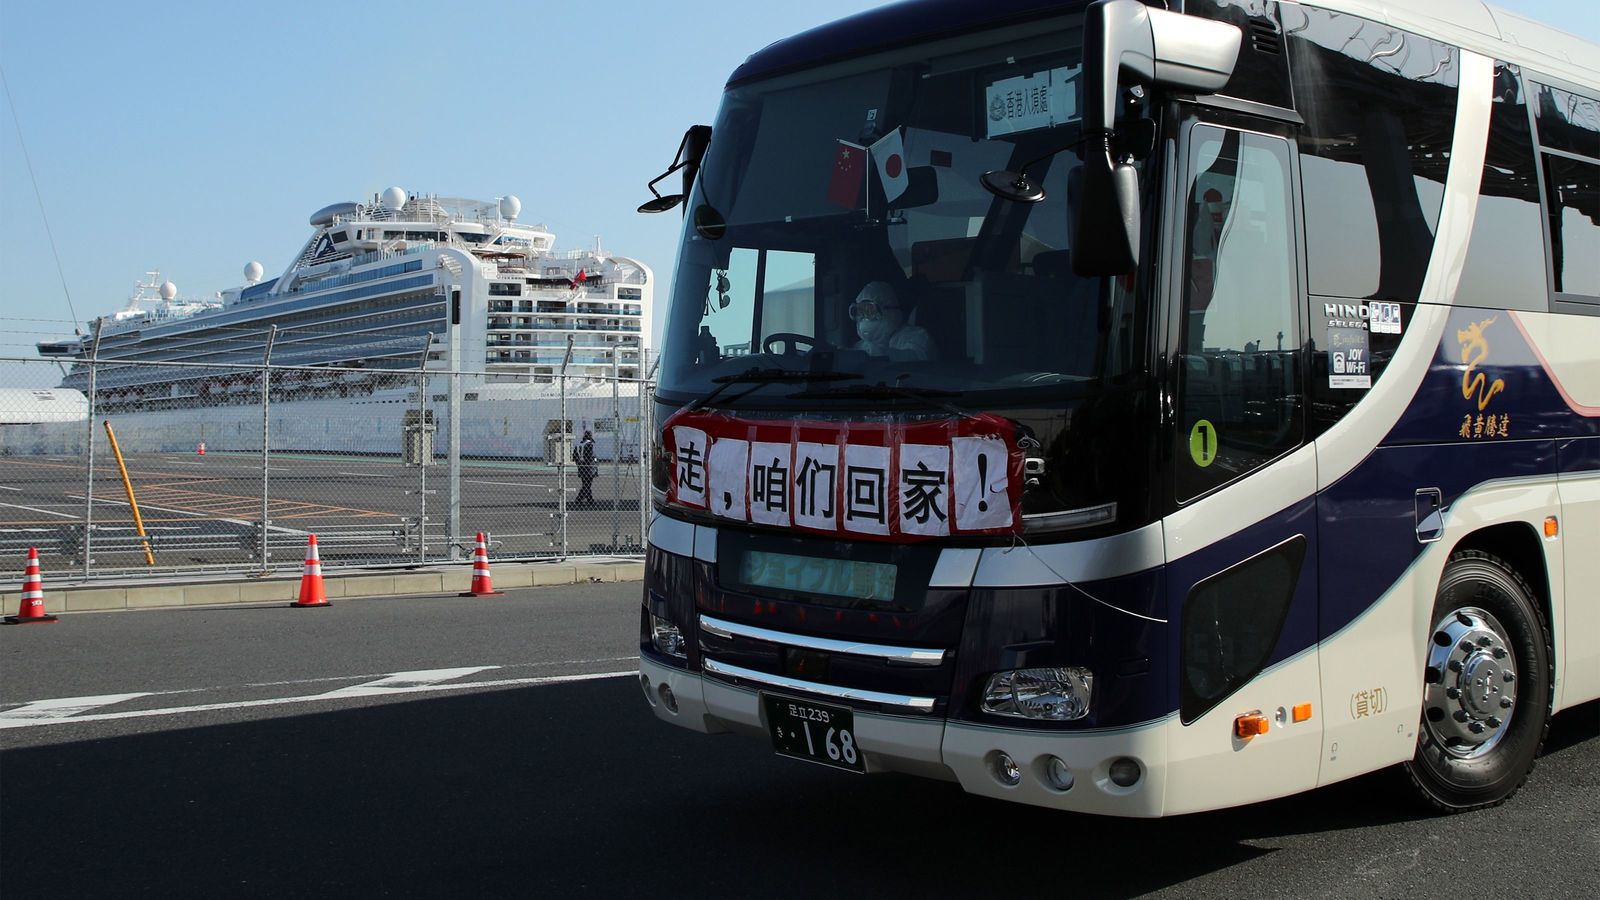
(1203, 443)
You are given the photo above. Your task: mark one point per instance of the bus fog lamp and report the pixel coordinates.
(666, 637)
(1054, 695)
(668, 698)
(1057, 773)
(1005, 769)
(1125, 772)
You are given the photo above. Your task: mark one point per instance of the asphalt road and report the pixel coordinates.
(276, 752)
(205, 510)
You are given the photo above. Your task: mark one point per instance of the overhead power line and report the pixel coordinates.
(39, 197)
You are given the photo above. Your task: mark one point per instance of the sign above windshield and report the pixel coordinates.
(1030, 102)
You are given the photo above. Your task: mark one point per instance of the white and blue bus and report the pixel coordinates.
(1138, 409)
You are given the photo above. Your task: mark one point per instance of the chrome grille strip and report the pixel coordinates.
(906, 655)
(900, 701)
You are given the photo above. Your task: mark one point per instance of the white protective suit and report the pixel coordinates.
(881, 325)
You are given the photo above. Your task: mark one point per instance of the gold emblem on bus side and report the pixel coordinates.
(1477, 387)
(1474, 350)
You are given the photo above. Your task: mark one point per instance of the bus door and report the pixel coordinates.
(1242, 540)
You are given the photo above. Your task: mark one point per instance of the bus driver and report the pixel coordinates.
(881, 325)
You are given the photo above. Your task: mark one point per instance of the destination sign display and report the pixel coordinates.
(814, 575)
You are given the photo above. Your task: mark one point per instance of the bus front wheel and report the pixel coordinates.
(1486, 691)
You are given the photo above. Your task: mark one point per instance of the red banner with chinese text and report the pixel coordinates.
(871, 480)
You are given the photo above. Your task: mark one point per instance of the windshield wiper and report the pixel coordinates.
(757, 377)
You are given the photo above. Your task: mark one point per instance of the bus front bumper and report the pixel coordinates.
(933, 747)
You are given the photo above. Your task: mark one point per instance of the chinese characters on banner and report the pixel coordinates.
(890, 482)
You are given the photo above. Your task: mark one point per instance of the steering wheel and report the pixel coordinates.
(791, 342)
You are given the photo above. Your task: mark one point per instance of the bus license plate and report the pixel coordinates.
(815, 732)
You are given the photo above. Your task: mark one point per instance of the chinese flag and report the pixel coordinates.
(849, 168)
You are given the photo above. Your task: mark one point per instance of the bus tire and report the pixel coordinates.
(1486, 690)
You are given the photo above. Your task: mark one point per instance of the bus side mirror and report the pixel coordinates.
(1103, 229)
(1125, 41)
(691, 150)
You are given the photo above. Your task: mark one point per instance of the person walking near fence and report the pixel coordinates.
(587, 470)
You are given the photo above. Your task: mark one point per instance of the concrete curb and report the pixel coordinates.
(285, 588)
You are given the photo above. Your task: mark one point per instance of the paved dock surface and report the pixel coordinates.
(444, 746)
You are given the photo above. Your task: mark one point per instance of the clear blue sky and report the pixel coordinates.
(195, 137)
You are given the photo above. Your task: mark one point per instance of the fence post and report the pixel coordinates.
(561, 462)
(266, 437)
(454, 382)
(616, 447)
(423, 459)
(644, 457)
(88, 492)
(647, 436)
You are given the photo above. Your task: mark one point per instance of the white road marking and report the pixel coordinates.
(44, 710)
(38, 510)
(185, 462)
(504, 483)
(7, 487)
(192, 514)
(367, 474)
(404, 681)
(7, 722)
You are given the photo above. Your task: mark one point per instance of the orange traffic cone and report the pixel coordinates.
(31, 610)
(200, 450)
(311, 593)
(482, 586)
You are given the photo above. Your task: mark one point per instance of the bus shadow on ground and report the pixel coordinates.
(562, 789)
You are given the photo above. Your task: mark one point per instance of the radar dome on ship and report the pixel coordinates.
(168, 290)
(252, 272)
(393, 199)
(510, 206)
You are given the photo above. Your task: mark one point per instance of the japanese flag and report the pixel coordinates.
(890, 155)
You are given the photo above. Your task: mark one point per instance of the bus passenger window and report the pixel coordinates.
(1240, 373)
(1505, 259)
(1569, 125)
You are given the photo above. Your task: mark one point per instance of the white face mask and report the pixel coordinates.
(874, 331)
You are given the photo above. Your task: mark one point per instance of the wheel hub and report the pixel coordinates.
(1471, 688)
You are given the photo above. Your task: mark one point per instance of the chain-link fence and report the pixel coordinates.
(121, 467)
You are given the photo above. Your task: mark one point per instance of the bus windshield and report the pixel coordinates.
(838, 225)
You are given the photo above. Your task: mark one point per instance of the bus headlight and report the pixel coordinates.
(666, 637)
(1055, 695)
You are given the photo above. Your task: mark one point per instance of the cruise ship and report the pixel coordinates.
(375, 286)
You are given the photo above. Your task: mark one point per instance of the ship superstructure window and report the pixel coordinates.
(505, 289)
(629, 293)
